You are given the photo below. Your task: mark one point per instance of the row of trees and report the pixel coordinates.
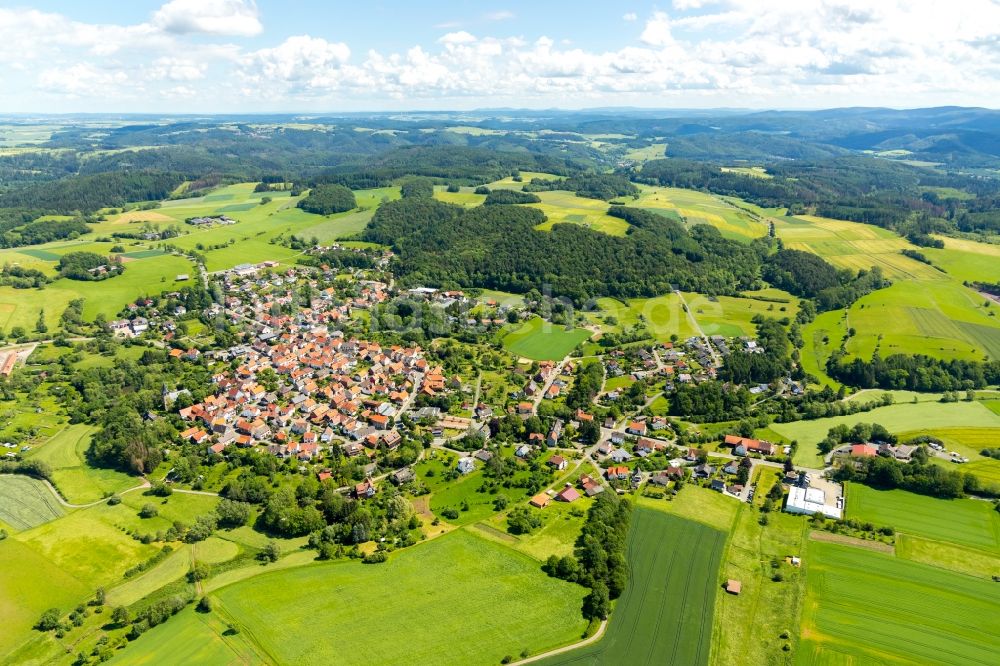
(600, 557)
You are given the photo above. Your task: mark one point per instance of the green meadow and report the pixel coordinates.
(540, 340)
(143, 276)
(962, 521)
(458, 585)
(731, 317)
(188, 638)
(748, 628)
(663, 316)
(868, 607)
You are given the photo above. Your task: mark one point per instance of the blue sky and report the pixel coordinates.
(308, 56)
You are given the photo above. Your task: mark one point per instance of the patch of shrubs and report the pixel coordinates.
(377, 557)
(151, 562)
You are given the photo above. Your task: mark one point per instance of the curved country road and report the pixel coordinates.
(567, 648)
(142, 486)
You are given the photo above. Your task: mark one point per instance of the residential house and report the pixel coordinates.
(637, 428)
(365, 489)
(617, 472)
(557, 461)
(404, 475)
(703, 471)
(466, 465)
(620, 455)
(568, 494)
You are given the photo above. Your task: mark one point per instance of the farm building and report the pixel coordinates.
(541, 500)
(808, 501)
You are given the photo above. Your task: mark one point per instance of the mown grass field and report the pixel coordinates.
(665, 614)
(26, 502)
(868, 607)
(698, 504)
(540, 340)
(925, 311)
(897, 418)
(565, 207)
(79, 482)
(968, 441)
(455, 599)
(748, 627)
(939, 318)
(731, 317)
(701, 208)
(853, 245)
(963, 521)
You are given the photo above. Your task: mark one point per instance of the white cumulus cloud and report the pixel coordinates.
(213, 17)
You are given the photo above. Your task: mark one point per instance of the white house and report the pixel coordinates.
(810, 500)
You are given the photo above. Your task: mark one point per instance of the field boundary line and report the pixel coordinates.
(64, 503)
(845, 540)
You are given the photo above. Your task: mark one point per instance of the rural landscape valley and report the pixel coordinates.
(350, 365)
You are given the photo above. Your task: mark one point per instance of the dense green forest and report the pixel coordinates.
(503, 196)
(810, 276)
(498, 247)
(591, 186)
(328, 199)
(85, 194)
(43, 231)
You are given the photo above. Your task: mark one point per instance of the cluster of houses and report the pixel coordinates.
(327, 389)
(487, 313)
(210, 220)
(105, 270)
(262, 300)
(902, 452)
(323, 389)
(537, 382)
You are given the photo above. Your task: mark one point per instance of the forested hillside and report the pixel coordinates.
(497, 247)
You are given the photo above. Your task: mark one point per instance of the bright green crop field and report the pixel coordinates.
(188, 638)
(866, 607)
(540, 340)
(665, 614)
(962, 521)
(456, 599)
